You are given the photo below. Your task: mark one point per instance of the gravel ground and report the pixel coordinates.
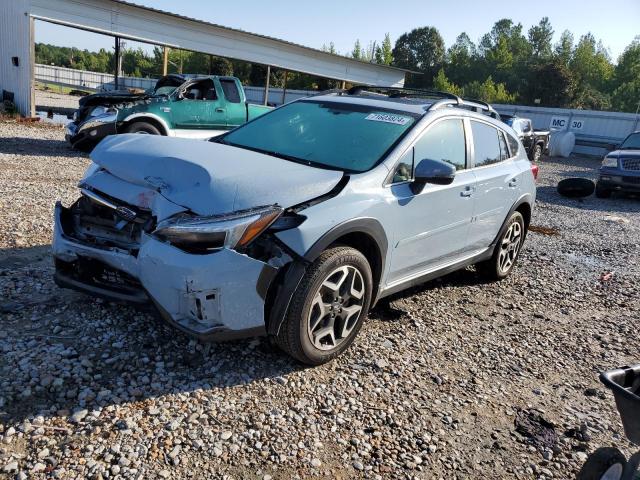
(455, 379)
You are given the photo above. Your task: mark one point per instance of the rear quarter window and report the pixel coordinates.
(514, 144)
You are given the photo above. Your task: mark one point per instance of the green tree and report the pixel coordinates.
(422, 50)
(505, 52)
(384, 52)
(331, 48)
(540, 37)
(628, 68)
(357, 50)
(461, 60)
(626, 98)
(590, 63)
(626, 95)
(564, 48)
(488, 91)
(552, 84)
(442, 83)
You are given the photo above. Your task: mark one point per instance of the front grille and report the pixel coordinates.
(98, 225)
(631, 163)
(99, 274)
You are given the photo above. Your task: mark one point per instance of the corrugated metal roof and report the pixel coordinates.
(274, 39)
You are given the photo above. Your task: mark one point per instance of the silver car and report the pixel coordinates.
(295, 224)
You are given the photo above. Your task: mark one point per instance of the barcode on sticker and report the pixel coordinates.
(387, 118)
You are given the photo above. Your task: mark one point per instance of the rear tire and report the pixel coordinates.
(602, 192)
(328, 308)
(605, 463)
(145, 128)
(507, 249)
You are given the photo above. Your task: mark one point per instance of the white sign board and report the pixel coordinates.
(564, 123)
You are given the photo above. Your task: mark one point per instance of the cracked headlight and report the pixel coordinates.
(233, 230)
(611, 162)
(97, 111)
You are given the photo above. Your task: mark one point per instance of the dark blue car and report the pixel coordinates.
(620, 170)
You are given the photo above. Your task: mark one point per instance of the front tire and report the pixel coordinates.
(328, 308)
(144, 128)
(507, 249)
(537, 153)
(602, 192)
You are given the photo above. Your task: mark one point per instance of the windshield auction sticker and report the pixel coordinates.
(387, 118)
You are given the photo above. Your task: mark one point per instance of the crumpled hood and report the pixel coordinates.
(110, 98)
(210, 178)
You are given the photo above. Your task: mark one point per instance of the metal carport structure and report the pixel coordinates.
(126, 20)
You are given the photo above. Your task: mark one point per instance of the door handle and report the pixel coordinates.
(467, 192)
(513, 182)
(220, 110)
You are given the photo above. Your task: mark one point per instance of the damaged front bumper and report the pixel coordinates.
(212, 296)
(86, 134)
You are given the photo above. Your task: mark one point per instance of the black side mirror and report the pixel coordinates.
(432, 171)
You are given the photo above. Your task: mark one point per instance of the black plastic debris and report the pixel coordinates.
(537, 430)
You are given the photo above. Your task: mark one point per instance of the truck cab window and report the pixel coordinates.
(230, 89)
(204, 90)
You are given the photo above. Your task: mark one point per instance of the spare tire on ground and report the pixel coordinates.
(576, 187)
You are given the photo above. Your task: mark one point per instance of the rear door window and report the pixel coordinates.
(486, 144)
(230, 89)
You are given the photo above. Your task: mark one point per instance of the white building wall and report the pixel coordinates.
(15, 41)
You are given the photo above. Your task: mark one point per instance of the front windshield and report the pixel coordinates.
(326, 134)
(632, 142)
(164, 90)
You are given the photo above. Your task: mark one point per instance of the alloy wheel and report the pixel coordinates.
(336, 307)
(509, 247)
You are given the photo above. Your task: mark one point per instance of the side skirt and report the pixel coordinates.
(195, 133)
(437, 272)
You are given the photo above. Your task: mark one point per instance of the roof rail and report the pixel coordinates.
(475, 105)
(399, 92)
(340, 91)
(447, 99)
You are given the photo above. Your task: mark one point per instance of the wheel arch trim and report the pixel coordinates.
(151, 116)
(296, 270)
(525, 199)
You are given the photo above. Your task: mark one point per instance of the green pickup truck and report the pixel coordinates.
(178, 106)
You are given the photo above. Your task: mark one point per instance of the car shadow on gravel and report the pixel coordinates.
(61, 350)
(390, 308)
(618, 203)
(38, 147)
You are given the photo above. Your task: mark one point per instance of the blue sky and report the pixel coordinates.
(313, 24)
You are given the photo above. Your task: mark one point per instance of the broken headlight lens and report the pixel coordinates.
(233, 230)
(97, 111)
